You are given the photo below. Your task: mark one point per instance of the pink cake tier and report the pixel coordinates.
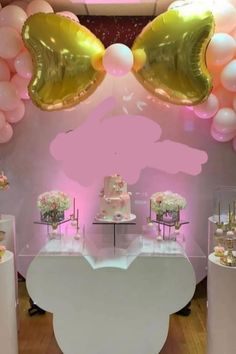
(114, 200)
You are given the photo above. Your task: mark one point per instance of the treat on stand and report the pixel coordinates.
(4, 184)
(114, 200)
(219, 251)
(2, 251)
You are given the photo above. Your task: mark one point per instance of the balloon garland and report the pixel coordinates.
(16, 65)
(17, 68)
(221, 60)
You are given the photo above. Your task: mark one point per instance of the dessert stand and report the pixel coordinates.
(221, 309)
(8, 320)
(131, 289)
(99, 221)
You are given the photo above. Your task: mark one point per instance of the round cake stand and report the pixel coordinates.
(111, 221)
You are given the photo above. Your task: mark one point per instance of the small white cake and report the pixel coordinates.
(114, 200)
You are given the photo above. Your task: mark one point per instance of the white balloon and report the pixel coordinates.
(221, 49)
(225, 120)
(208, 108)
(228, 76)
(224, 14)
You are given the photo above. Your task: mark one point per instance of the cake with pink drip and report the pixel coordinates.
(115, 200)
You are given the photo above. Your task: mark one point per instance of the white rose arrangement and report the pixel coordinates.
(167, 202)
(53, 202)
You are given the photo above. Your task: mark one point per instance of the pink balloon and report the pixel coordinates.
(225, 120)
(221, 49)
(233, 2)
(11, 65)
(118, 59)
(22, 4)
(234, 144)
(69, 15)
(228, 76)
(24, 64)
(208, 108)
(225, 98)
(8, 96)
(12, 16)
(17, 114)
(6, 133)
(221, 137)
(224, 14)
(21, 86)
(2, 120)
(216, 74)
(4, 71)
(36, 6)
(10, 44)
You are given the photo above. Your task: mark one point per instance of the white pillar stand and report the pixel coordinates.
(8, 323)
(7, 231)
(221, 307)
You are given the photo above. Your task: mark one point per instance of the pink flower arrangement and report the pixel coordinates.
(3, 181)
(53, 201)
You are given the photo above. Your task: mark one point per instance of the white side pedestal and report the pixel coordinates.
(221, 307)
(120, 304)
(7, 226)
(8, 324)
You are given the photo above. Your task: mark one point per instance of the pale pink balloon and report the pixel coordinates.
(8, 96)
(216, 74)
(24, 64)
(221, 49)
(224, 14)
(234, 144)
(118, 59)
(4, 71)
(208, 108)
(228, 76)
(6, 133)
(221, 137)
(21, 86)
(2, 120)
(69, 15)
(234, 103)
(11, 64)
(12, 16)
(22, 4)
(233, 2)
(225, 98)
(17, 114)
(36, 6)
(225, 120)
(10, 43)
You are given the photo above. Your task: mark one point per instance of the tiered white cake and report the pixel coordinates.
(114, 200)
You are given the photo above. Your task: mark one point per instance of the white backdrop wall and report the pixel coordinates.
(31, 169)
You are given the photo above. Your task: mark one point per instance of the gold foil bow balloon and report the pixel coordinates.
(62, 52)
(174, 46)
(169, 58)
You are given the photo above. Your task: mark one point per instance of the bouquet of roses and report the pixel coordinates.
(52, 205)
(167, 202)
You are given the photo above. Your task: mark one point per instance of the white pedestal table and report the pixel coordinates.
(8, 322)
(111, 300)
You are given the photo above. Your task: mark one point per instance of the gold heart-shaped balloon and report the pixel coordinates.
(62, 51)
(172, 49)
